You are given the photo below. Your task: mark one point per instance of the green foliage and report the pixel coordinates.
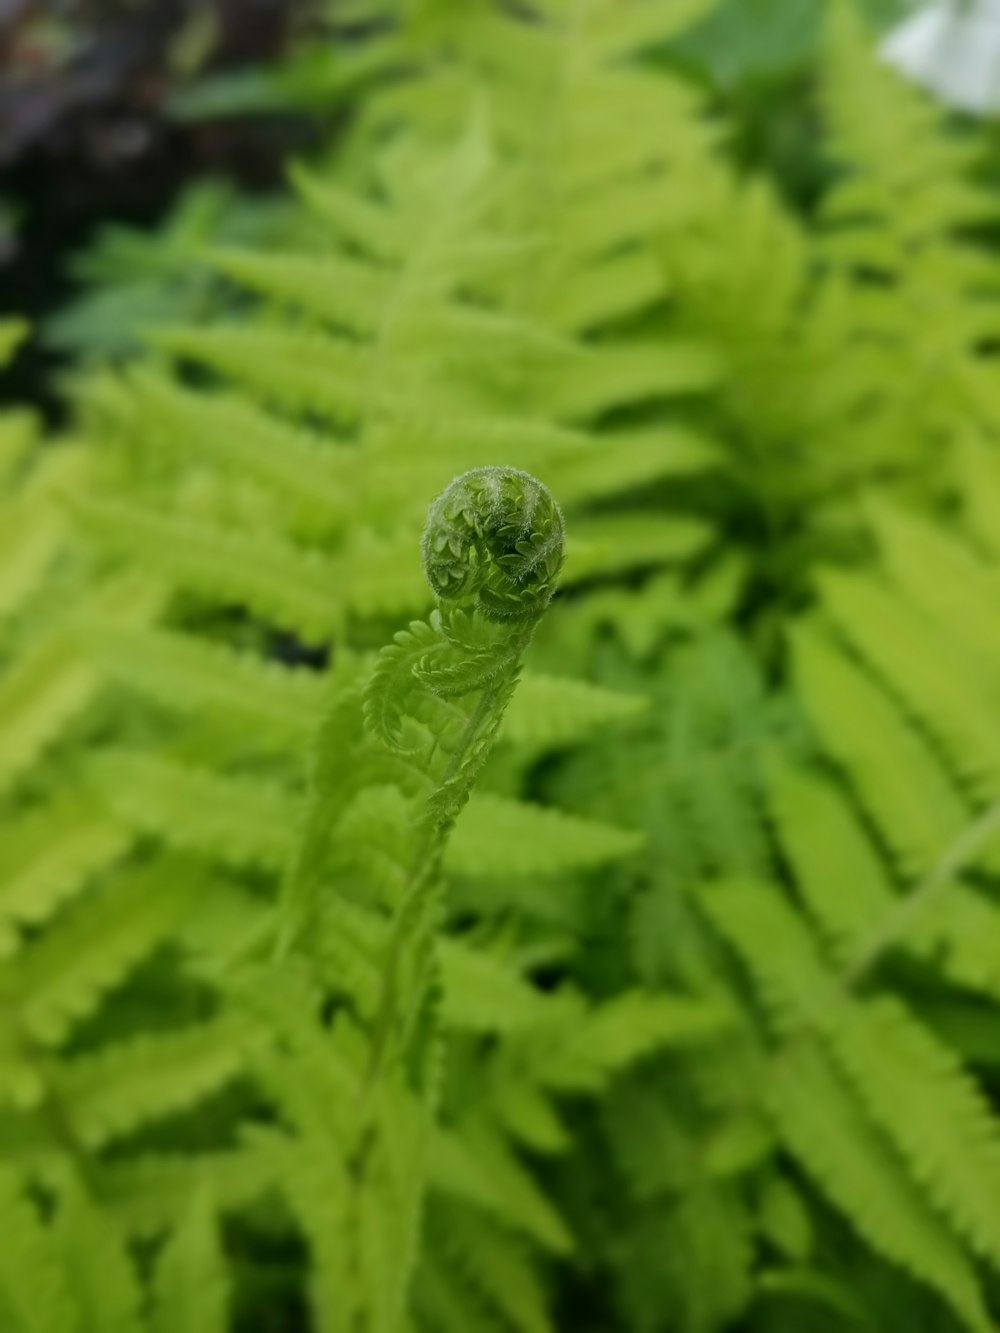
(634, 965)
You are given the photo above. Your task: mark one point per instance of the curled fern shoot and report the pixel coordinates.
(492, 550)
(395, 760)
(494, 540)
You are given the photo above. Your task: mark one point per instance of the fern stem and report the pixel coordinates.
(426, 870)
(896, 924)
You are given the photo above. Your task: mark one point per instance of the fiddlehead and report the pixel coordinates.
(492, 550)
(494, 541)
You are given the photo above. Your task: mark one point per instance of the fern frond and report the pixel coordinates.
(342, 292)
(240, 821)
(295, 587)
(592, 385)
(358, 221)
(192, 1286)
(778, 948)
(492, 1261)
(528, 1114)
(34, 1296)
(40, 695)
(953, 1146)
(945, 580)
(445, 1303)
(149, 1193)
(882, 173)
(910, 797)
(100, 1272)
(310, 480)
(94, 944)
(51, 852)
(113, 1090)
(482, 994)
(937, 684)
(394, 686)
(194, 675)
(828, 848)
(305, 373)
(34, 527)
(623, 1030)
(616, 287)
(560, 710)
(617, 543)
(861, 1174)
(631, 459)
(499, 836)
(614, 35)
(474, 1163)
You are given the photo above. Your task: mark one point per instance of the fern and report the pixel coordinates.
(827, 1130)
(493, 540)
(191, 1286)
(713, 943)
(34, 1290)
(112, 1091)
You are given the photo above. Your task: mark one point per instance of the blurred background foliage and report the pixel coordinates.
(112, 111)
(722, 968)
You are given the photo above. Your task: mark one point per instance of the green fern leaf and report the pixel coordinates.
(240, 821)
(953, 1146)
(475, 1164)
(642, 372)
(51, 852)
(482, 994)
(312, 483)
(302, 372)
(559, 710)
(40, 695)
(294, 586)
(492, 1262)
(828, 848)
(944, 579)
(342, 292)
(627, 1028)
(111, 1091)
(908, 794)
(94, 944)
(149, 1193)
(192, 1287)
(34, 528)
(358, 221)
(34, 1296)
(100, 1274)
(616, 543)
(939, 686)
(499, 836)
(856, 1168)
(193, 675)
(630, 459)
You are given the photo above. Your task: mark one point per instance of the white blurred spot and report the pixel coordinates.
(952, 48)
